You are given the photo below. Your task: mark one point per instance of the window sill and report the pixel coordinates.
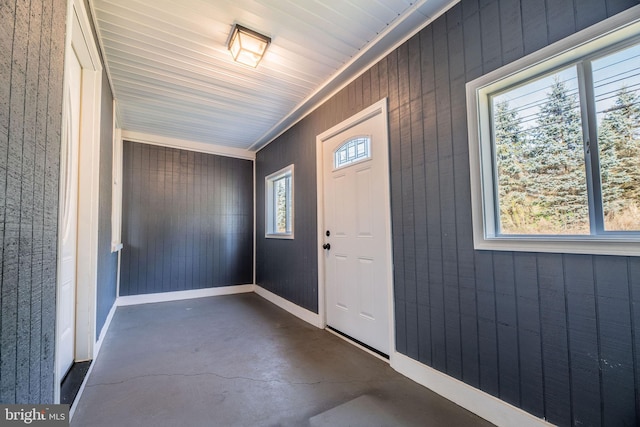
(279, 236)
(572, 245)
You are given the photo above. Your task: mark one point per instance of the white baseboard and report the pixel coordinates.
(474, 400)
(103, 332)
(477, 401)
(96, 350)
(180, 295)
(296, 310)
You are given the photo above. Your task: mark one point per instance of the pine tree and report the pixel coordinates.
(556, 163)
(512, 181)
(281, 205)
(619, 151)
(612, 178)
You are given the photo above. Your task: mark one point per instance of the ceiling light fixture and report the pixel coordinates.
(247, 46)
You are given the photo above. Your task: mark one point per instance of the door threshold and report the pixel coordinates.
(73, 381)
(374, 352)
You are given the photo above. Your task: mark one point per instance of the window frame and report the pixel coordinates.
(607, 35)
(270, 205)
(116, 191)
(345, 143)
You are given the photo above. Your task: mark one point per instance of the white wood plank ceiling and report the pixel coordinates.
(173, 77)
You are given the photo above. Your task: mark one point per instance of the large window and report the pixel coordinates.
(279, 204)
(555, 147)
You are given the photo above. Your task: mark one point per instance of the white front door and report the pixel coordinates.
(356, 237)
(68, 213)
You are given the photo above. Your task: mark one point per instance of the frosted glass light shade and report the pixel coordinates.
(247, 46)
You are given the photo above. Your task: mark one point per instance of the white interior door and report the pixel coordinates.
(357, 231)
(69, 213)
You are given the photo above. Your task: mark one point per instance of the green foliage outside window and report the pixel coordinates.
(540, 167)
(281, 195)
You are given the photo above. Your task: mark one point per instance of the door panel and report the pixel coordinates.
(69, 213)
(365, 220)
(341, 270)
(339, 199)
(366, 279)
(356, 216)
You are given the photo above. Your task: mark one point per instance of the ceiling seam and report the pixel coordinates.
(266, 138)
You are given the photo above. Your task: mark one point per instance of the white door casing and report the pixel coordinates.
(80, 45)
(68, 214)
(357, 267)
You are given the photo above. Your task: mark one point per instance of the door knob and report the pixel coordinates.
(326, 246)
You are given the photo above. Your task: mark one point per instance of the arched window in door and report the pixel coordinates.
(353, 150)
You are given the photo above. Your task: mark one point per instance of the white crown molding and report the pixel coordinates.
(417, 17)
(183, 144)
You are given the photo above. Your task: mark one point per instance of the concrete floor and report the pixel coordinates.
(241, 361)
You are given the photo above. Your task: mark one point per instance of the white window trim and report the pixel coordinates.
(116, 191)
(269, 208)
(358, 160)
(610, 31)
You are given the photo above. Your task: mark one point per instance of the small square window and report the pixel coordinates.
(279, 204)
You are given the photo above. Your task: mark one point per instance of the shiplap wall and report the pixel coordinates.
(31, 71)
(552, 334)
(289, 268)
(187, 220)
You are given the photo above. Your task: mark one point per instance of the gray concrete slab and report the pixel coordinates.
(240, 361)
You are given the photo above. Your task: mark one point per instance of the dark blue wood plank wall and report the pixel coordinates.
(285, 267)
(31, 72)
(553, 334)
(187, 220)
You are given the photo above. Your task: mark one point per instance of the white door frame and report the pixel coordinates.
(80, 38)
(379, 107)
